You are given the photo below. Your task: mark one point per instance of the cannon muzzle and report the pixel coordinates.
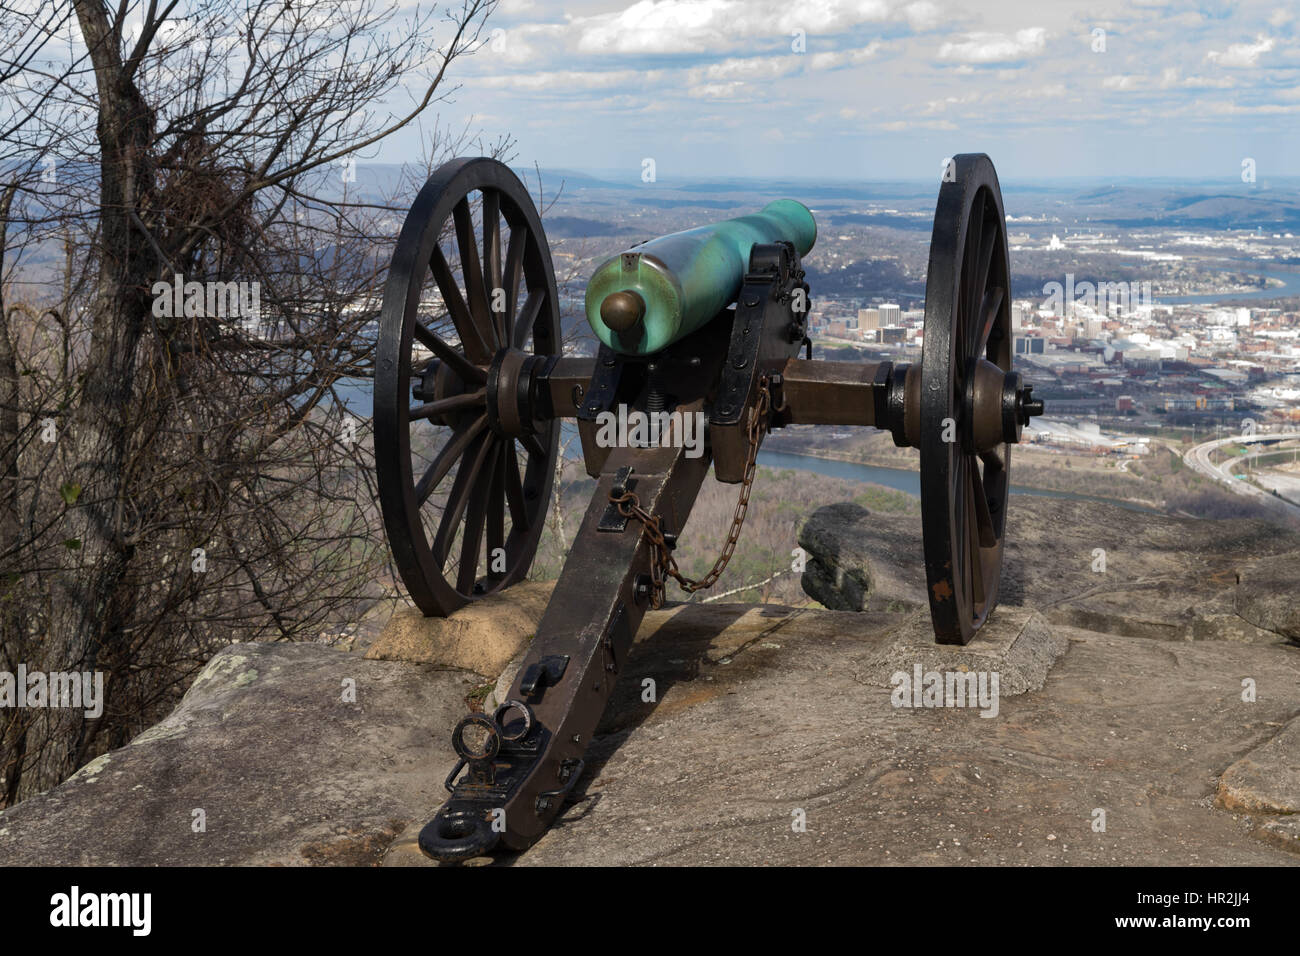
(653, 294)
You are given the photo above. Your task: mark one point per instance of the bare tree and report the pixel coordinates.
(206, 282)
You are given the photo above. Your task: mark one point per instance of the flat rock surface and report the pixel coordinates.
(744, 736)
(284, 770)
(762, 718)
(1016, 644)
(1085, 564)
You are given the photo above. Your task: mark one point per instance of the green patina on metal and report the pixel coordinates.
(687, 278)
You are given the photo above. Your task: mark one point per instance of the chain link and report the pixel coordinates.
(664, 565)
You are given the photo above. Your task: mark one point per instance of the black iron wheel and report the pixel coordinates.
(967, 319)
(471, 281)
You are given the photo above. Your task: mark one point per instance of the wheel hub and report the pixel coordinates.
(512, 392)
(996, 406)
(439, 381)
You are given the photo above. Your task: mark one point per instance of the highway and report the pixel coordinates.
(1200, 460)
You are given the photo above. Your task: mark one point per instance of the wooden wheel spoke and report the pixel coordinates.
(512, 275)
(974, 555)
(496, 520)
(972, 274)
(471, 335)
(980, 274)
(989, 310)
(958, 542)
(532, 308)
(515, 492)
(475, 518)
(966, 281)
(452, 403)
(448, 456)
(492, 261)
(461, 489)
(983, 519)
(533, 445)
(463, 367)
(472, 269)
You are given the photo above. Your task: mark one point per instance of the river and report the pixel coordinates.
(1290, 287)
(908, 480)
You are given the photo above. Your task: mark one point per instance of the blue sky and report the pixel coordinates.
(876, 89)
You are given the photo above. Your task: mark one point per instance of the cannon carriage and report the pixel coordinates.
(706, 326)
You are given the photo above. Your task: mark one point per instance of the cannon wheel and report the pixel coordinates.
(462, 520)
(967, 316)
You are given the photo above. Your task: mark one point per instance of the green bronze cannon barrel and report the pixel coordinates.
(653, 294)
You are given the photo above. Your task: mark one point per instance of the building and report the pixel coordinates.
(1030, 345)
(869, 318)
(890, 314)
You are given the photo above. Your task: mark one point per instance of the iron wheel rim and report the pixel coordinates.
(967, 315)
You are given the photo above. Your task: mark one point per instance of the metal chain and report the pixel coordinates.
(664, 565)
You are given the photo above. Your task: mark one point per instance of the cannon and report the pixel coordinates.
(702, 327)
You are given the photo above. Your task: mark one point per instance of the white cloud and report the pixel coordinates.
(713, 60)
(716, 91)
(924, 15)
(726, 79)
(744, 68)
(1242, 54)
(671, 26)
(561, 81)
(1237, 109)
(996, 47)
(898, 126)
(1206, 83)
(838, 58)
(708, 26)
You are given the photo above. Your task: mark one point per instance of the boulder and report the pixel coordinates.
(1085, 564)
(1268, 594)
(483, 636)
(1268, 778)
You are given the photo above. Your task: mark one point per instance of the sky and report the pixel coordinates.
(878, 89)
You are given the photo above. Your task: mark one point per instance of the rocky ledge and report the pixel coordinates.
(776, 735)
